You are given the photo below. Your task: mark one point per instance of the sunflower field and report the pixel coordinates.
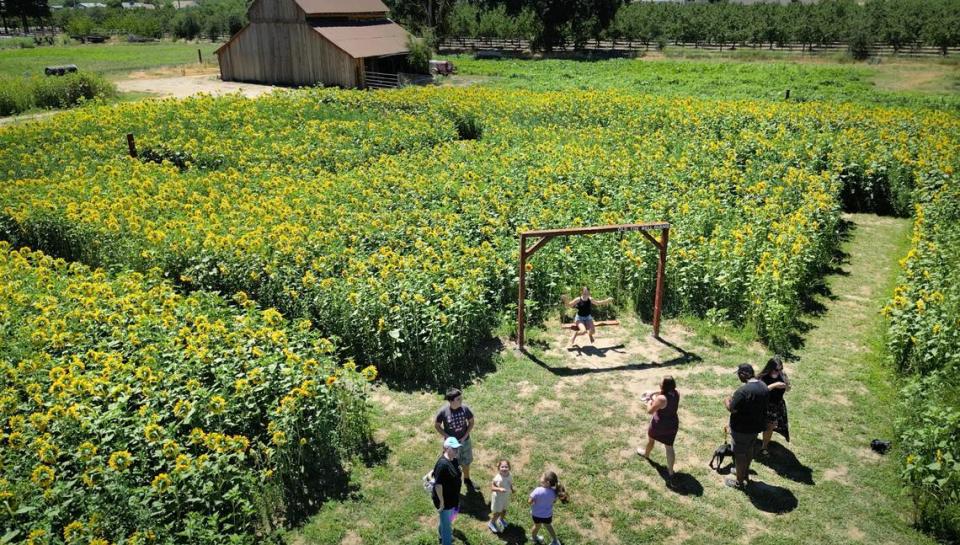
(258, 252)
(390, 220)
(134, 414)
(924, 341)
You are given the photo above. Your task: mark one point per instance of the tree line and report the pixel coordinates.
(21, 12)
(552, 23)
(209, 18)
(549, 24)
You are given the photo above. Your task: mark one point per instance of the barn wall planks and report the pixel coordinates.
(286, 54)
(275, 11)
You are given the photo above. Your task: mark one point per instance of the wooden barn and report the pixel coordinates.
(309, 42)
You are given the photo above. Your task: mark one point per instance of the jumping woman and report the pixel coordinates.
(584, 320)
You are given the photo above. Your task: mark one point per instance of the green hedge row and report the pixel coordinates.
(22, 94)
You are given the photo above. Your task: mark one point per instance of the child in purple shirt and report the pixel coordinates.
(541, 505)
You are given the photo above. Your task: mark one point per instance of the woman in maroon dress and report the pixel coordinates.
(665, 423)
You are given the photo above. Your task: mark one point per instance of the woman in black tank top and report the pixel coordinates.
(584, 320)
(778, 384)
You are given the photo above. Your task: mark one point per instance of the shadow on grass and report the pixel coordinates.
(812, 299)
(373, 453)
(683, 484)
(785, 463)
(514, 534)
(461, 537)
(683, 357)
(591, 350)
(481, 361)
(320, 482)
(306, 493)
(473, 503)
(730, 469)
(771, 499)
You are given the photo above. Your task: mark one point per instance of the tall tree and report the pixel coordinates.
(579, 19)
(463, 19)
(3, 16)
(27, 9)
(419, 14)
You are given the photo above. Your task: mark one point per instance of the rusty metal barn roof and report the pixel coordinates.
(333, 7)
(366, 40)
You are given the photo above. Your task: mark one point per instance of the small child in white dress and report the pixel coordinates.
(501, 490)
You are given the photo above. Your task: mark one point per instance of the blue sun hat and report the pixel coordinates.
(451, 442)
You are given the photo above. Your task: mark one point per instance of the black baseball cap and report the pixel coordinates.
(745, 369)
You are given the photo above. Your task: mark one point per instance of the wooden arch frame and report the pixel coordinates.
(544, 236)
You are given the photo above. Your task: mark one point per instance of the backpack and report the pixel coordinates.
(428, 483)
(880, 446)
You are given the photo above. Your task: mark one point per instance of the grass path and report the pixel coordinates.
(577, 411)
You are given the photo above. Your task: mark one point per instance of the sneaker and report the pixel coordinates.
(538, 539)
(493, 527)
(503, 524)
(733, 483)
(555, 542)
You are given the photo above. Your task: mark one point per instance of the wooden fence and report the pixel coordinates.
(386, 80)
(380, 80)
(518, 45)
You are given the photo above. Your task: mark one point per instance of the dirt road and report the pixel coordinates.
(162, 87)
(184, 86)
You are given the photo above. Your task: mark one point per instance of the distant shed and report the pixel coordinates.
(306, 42)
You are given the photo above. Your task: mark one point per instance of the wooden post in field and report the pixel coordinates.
(199, 57)
(786, 96)
(523, 290)
(661, 269)
(131, 145)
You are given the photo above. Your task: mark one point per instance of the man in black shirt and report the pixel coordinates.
(446, 488)
(456, 420)
(748, 417)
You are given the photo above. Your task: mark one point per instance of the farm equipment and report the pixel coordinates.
(60, 70)
(442, 68)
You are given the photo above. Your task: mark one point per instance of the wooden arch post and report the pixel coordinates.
(543, 236)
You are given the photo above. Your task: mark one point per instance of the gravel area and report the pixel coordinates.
(184, 86)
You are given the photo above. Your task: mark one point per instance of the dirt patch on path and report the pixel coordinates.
(628, 363)
(177, 87)
(185, 86)
(614, 348)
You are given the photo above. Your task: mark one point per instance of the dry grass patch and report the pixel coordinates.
(194, 69)
(855, 534)
(837, 474)
(526, 389)
(351, 538)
